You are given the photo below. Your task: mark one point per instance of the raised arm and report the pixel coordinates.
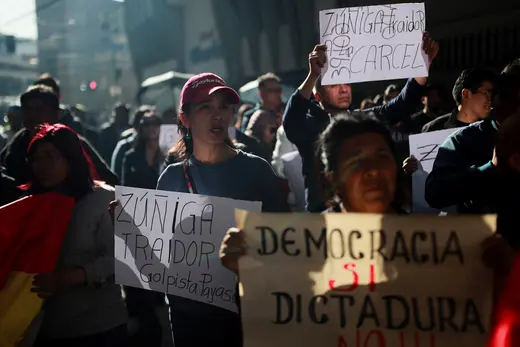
(301, 114)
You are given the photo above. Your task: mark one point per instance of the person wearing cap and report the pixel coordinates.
(210, 165)
(41, 105)
(110, 132)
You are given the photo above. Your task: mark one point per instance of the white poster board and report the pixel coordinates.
(365, 280)
(169, 136)
(169, 242)
(424, 148)
(373, 43)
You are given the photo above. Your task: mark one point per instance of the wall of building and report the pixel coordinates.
(83, 41)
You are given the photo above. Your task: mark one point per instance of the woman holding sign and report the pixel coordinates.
(361, 174)
(210, 165)
(361, 170)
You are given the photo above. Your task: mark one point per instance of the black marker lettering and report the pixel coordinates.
(145, 211)
(130, 196)
(156, 207)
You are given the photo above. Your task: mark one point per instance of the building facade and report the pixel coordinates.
(83, 44)
(241, 39)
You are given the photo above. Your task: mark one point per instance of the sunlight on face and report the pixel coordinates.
(209, 120)
(367, 176)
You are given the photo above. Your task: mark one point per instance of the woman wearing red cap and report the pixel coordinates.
(209, 164)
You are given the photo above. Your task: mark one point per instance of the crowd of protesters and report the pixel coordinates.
(351, 161)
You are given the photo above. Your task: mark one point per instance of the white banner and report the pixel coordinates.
(169, 242)
(372, 43)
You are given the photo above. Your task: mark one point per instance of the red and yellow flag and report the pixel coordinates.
(31, 234)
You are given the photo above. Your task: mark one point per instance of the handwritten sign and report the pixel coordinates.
(364, 280)
(371, 43)
(168, 137)
(424, 148)
(169, 242)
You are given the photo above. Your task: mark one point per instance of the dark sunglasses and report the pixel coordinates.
(151, 122)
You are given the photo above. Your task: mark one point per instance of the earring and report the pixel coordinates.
(188, 135)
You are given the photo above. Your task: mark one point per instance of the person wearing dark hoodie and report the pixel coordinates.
(465, 170)
(304, 120)
(40, 105)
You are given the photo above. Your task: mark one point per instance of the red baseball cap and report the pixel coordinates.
(199, 87)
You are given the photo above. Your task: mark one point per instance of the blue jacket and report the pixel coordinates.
(304, 120)
(462, 173)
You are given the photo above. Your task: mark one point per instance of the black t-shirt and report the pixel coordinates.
(448, 121)
(420, 119)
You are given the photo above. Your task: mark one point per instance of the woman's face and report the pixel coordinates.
(48, 165)
(209, 120)
(150, 127)
(367, 174)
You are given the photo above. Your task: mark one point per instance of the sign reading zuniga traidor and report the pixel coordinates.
(348, 280)
(371, 43)
(169, 242)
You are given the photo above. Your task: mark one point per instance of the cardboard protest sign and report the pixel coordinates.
(369, 280)
(371, 43)
(169, 242)
(424, 148)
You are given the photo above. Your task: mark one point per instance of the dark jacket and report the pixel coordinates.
(252, 145)
(136, 171)
(304, 120)
(108, 138)
(123, 146)
(72, 122)
(14, 154)
(420, 119)
(462, 173)
(448, 121)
